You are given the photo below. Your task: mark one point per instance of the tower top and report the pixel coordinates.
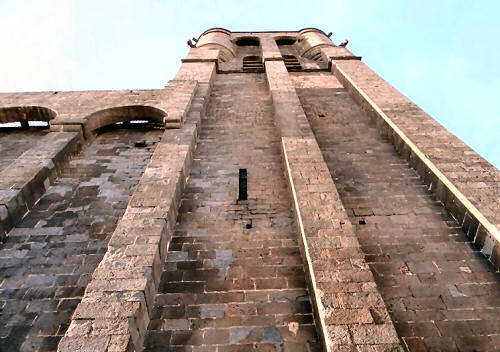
(307, 40)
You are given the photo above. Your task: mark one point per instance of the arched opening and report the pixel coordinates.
(247, 41)
(253, 63)
(24, 117)
(131, 116)
(285, 41)
(292, 63)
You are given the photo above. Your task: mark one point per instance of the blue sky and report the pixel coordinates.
(442, 54)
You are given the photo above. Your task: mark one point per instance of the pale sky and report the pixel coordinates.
(442, 54)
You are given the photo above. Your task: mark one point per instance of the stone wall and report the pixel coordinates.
(233, 278)
(48, 258)
(350, 313)
(438, 290)
(464, 182)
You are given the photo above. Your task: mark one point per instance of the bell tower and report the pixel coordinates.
(276, 195)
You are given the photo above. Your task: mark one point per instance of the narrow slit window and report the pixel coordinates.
(242, 193)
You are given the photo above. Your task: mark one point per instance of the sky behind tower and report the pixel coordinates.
(441, 54)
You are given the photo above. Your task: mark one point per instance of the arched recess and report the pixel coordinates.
(280, 41)
(126, 113)
(247, 41)
(24, 114)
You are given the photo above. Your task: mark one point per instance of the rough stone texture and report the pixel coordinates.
(350, 313)
(464, 182)
(316, 80)
(226, 287)
(46, 260)
(24, 180)
(117, 302)
(13, 143)
(440, 292)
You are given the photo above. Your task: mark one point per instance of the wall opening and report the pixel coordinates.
(253, 64)
(247, 41)
(133, 124)
(25, 117)
(292, 63)
(132, 116)
(242, 185)
(286, 41)
(23, 125)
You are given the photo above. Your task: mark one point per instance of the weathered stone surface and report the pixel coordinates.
(318, 208)
(173, 260)
(124, 284)
(48, 258)
(92, 109)
(430, 277)
(224, 285)
(462, 180)
(27, 177)
(14, 143)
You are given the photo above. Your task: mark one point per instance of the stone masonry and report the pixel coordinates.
(48, 258)
(438, 289)
(124, 226)
(13, 143)
(233, 279)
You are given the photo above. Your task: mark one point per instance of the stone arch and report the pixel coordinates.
(23, 114)
(125, 113)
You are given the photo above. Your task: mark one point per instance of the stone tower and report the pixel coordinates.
(276, 195)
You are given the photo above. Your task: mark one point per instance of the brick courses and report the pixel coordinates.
(48, 258)
(336, 269)
(27, 177)
(225, 287)
(463, 181)
(435, 284)
(179, 265)
(14, 143)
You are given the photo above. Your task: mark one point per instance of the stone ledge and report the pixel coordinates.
(482, 232)
(25, 180)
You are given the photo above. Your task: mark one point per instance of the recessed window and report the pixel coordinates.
(285, 41)
(249, 41)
